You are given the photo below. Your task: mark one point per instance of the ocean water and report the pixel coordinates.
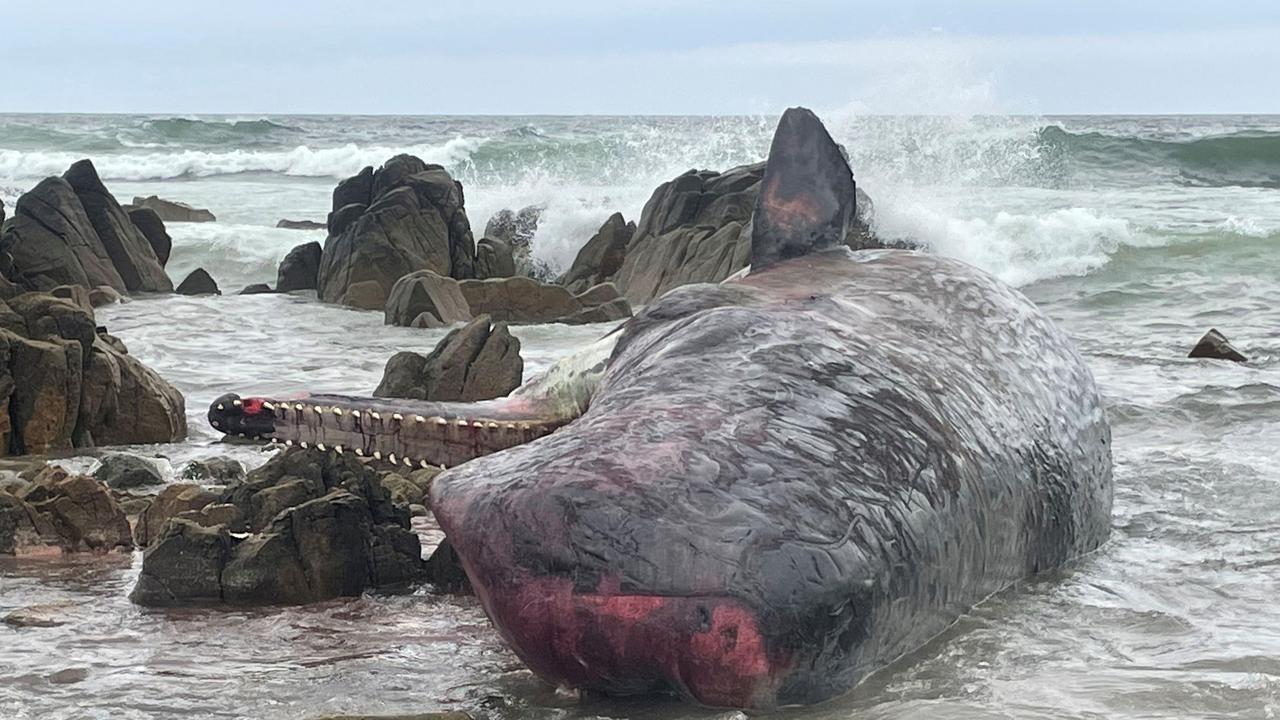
(1136, 234)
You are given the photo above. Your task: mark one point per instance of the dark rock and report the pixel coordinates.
(338, 535)
(343, 217)
(1215, 346)
(123, 472)
(198, 282)
(516, 229)
(215, 470)
(172, 501)
(601, 258)
(494, 259)
(519, 299)
(355, 190)
(151, 226)
(81, 511)
(414, 221)
(174, 211)
(77, 294)
(477, 362)
(129, 250)
(52, 242)
(127, 403)
(23, 530)
(300, 268)
(103, 295)
(426, 292)
(402, 490)
(445, 572)
(51, 318)
(301, 225)
(256, 289)
(40, 388)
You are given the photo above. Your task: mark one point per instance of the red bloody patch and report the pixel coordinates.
(251, 406)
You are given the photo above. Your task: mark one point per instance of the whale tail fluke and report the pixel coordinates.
(807, 198)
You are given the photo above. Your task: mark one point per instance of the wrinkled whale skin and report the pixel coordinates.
(785, 482)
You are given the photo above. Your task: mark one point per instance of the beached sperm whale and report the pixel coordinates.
(757, 493)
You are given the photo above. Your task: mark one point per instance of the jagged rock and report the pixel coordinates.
(120, 471)
(174, 211)
(81, 511)
(103, 295)
(494, 259)
(1215, 346)
(300, 268)
(697, 228)
(151, 226)
(216, 470)
(445, 572)
(23, 530)
(43, 383)
(51, 318)
(52, 242)
(516, 229)
(414, 220)
(256, 289)
(611, 311)
(130, 252)
(171, 501)
(402, 489)
(127, 403)
(342, 536)
(519, 299)
(76, 294)
(479, 361)
(601, 258)
(301, 225)
(426, 292)
(198, 282)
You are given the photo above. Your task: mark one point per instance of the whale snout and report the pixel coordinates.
(244, 417)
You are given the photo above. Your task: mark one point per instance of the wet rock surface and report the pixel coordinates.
(198, 282)
(322, 525)
(180, 500)
(77, 513)
(479, 361)
(301, 225)
(426, 299)
(1215, 346)
(120, 471)
(406, 216)
(129, 250)
(173, 211)
(601, 257)
(300, 269)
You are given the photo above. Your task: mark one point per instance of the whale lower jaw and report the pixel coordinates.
(707, 648)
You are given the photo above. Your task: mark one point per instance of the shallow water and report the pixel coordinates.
(1174, 618)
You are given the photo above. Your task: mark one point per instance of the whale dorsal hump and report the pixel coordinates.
(806, 199)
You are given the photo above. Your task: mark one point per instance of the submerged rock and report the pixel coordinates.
(300, 268)
(121, 471)
(480, 361)
(301, 225)
(323, 526)
(405, 217)
(198, 282)
(174, 211)
(256, 289)
(1215, 346)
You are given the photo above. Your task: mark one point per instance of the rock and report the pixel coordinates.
(423, 479)
(214, 470)
(41, 392)
(301, 225)
(151, 226)
(416, 510)
(445, 572)
(183, 565)
(38, 616)
(52, 242)
(23, 530)
(402, 490)
(174, 211)
(198, 282)
(697, 228)
(300, 268)
(519, 299)
(355, 190)
(600, 294)
(81, 511)
(127, 403)
(256, 289)
(103, 295)
(76, 294)
(120, 471)
(172, 500)
(477, 362)
(426, 292)
(516, 229)
(129, 250)
(414, 220)
(494, 259)
(611, 311)
(601, 258)
(1215, 346)
(337, 534)
(68, 676)
(51, 318)
(133, 505)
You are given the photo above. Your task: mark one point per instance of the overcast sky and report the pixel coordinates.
(659, 56)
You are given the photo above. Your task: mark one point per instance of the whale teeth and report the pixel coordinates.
(441, 421)
(424, 464)
(318, 410)
(391, 458)
(419, 419)
(288, 443)
(462, 423)
(375, 416)
(221, 406)
(240, 435)
(267, 404)
(377, 454)
(511, 426)
(237, 403)
(298, 407)
(215, 423)
(320, 447)
(337, 449)
(359, 452)
(492, 425)
(477, 424)
(303, 444)
(337, 411)
(355, 414)
(397, 417)
(407, 462)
